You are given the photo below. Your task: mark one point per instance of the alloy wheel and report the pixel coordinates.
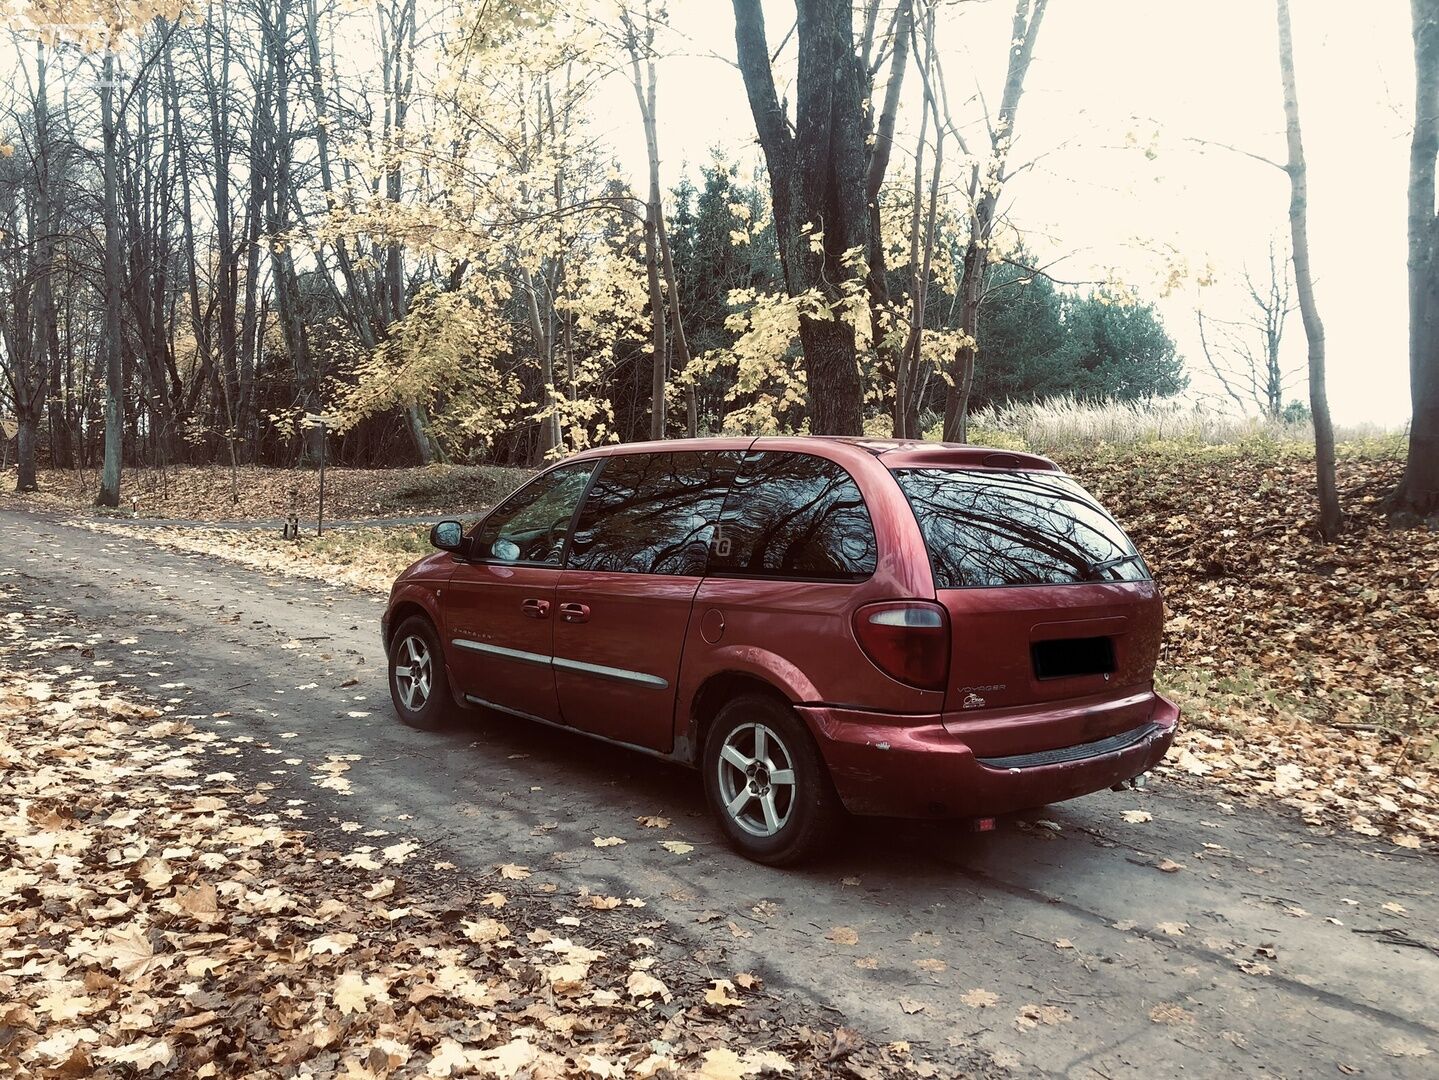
(757, 779)
(413, 672)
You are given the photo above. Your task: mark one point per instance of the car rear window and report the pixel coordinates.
(995, 528)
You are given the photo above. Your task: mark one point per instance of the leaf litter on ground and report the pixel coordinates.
(155, 914)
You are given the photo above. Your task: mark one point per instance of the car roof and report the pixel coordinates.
(892, 453)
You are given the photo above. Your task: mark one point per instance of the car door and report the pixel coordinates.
(498, 608)
(623, 602)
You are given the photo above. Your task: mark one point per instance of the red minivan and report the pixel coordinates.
(818, 624)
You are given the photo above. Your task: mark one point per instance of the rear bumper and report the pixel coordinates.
(912, 766)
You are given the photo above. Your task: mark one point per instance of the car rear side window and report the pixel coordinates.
(531, 525)
(1015, 528)
(653, 513)
(794, 516)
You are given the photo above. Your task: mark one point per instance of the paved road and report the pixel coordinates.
(1100, 964)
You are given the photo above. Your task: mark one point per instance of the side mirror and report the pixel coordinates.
(449, 536)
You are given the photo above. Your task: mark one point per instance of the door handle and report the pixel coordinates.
(536, 609)
(575, 612)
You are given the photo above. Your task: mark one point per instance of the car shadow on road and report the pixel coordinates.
(605, 784)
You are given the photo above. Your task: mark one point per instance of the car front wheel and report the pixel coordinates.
(418, 686)
(766, 783)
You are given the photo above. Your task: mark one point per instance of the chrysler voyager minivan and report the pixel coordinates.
(819, 625)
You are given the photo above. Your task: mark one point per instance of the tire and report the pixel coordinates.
(791, 815)
(419, 688)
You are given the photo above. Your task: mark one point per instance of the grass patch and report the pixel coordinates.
(1070, 425)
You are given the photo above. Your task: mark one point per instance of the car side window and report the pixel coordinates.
(532, 524)
(794, 516)
(653, 513)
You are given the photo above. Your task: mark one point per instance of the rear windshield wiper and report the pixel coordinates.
(1110, 564)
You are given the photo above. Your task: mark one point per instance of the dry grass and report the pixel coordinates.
(1068, 424)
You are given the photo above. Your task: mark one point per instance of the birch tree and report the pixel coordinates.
(1330, 520)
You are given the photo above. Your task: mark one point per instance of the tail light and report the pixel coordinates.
(908, 640)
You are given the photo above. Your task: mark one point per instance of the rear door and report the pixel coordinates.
(623, 602)
(1054, 618)
(499, 606)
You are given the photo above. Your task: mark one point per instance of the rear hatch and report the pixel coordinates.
(1055, 621)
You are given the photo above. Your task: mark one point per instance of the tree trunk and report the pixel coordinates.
(1417, 496)
(881, 318)
(110, 344)
(817, 180)
(657, 320)
(658, 258)
(25, 446)
(1331, 521)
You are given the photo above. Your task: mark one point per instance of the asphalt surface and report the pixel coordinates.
(1269, 949)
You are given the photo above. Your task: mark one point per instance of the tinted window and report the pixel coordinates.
(653, 513)
(531, 525)
(794, 515)
(1016, 528)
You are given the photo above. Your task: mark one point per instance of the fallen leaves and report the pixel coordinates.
(641, 984)
(721, 993)
(1172, 1014)
(979, 999)
(677, 847)
(148, 901)
(843, 935)
(1032, 1016)
(1307, 671)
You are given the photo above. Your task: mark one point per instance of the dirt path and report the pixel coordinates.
(1271, 947)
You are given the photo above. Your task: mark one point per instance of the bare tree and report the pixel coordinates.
(1244, 354)
(1330, 518)
(1417, 496)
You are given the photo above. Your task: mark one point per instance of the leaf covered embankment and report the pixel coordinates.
(1308, 671)
(159, 912)
(205, 493)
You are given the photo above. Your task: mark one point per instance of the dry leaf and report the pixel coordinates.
(721, 992)
(1170, 1013)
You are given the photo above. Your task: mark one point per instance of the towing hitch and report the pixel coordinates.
(1135, 783)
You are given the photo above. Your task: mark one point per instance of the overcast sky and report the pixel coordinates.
(1171, 71)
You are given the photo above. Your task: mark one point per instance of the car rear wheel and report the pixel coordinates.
(766, 783)
(418, 687)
